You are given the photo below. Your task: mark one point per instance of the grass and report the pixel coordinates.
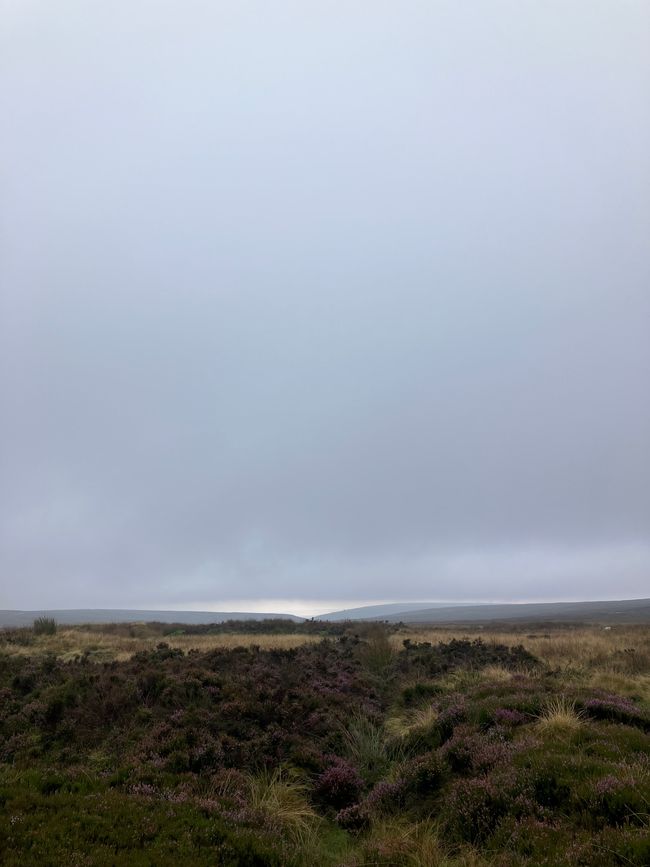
(377, 651)
(410, 845)
(75, 641)
(404, 725)
(560, 717)
(284, 802)
(603, 655)
(44, 626)
(622, 649)
(366, 745)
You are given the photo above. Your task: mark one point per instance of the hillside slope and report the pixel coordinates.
(72, 616)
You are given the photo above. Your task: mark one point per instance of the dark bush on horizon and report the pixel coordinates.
(45, 626)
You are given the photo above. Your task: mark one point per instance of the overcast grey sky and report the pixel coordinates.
(314, 303)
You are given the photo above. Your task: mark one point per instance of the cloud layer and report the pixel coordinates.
(324, 301)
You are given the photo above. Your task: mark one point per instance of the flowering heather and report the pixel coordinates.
(616, 708)
(468, 750)
(145, 790)
(474, 808)
(353, 818)
(340, 785)
(454, 714)
(463, 653)
(620, 799)
(386, 796)
(506, 716)
(307, 756)
(424, 775)
(608, 784)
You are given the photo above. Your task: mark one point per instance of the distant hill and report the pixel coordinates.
(72, 616)
(382, 612)
(618, 611)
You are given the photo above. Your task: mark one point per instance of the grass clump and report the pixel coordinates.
(560, 716)
(377, 652)
(45, 626)
(283, 802)
(395, 843)
(367, 746)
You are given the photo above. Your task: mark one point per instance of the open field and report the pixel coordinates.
(611, 650)
(72, 642)
(606, 650)
(136, 745)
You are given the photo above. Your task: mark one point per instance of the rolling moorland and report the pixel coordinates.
(279, 742)
(609, 611)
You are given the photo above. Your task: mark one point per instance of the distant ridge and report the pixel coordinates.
(616, 611)
(373, 612)
(71, 616)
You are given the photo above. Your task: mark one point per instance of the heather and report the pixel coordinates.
(358, 746)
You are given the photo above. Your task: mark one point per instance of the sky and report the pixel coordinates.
(306, 305)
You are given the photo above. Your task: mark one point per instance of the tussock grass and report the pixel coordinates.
(495, 674)
(44, 626)
(411, 845)
(459, 679)
(368, 746)
(378, 650)
(424, 717)
(283, 800)
(409, 724)
(363, 738)
(560, 717)
(226, 785)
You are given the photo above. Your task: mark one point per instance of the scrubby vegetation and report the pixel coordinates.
(364, 747)
(44, 626)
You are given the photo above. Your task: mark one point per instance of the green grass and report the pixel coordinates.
(106, 828)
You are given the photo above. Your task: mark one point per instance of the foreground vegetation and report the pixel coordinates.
(345, 745)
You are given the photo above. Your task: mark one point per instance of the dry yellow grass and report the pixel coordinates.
(560, 717)
(284, 800)
(615, 660)
(415, 845)
(496, 674)
(102, 646)
(418, 720)
(624, 649)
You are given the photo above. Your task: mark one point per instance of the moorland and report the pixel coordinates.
(350, 744)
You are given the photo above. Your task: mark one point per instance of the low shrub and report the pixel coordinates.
(340, 785)
(619, 800)
(423, 776)
(45, 626)
(387, 797)
(307, 756)
(469, 751)
(616, 708)
(354, 818)
(474, 809)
